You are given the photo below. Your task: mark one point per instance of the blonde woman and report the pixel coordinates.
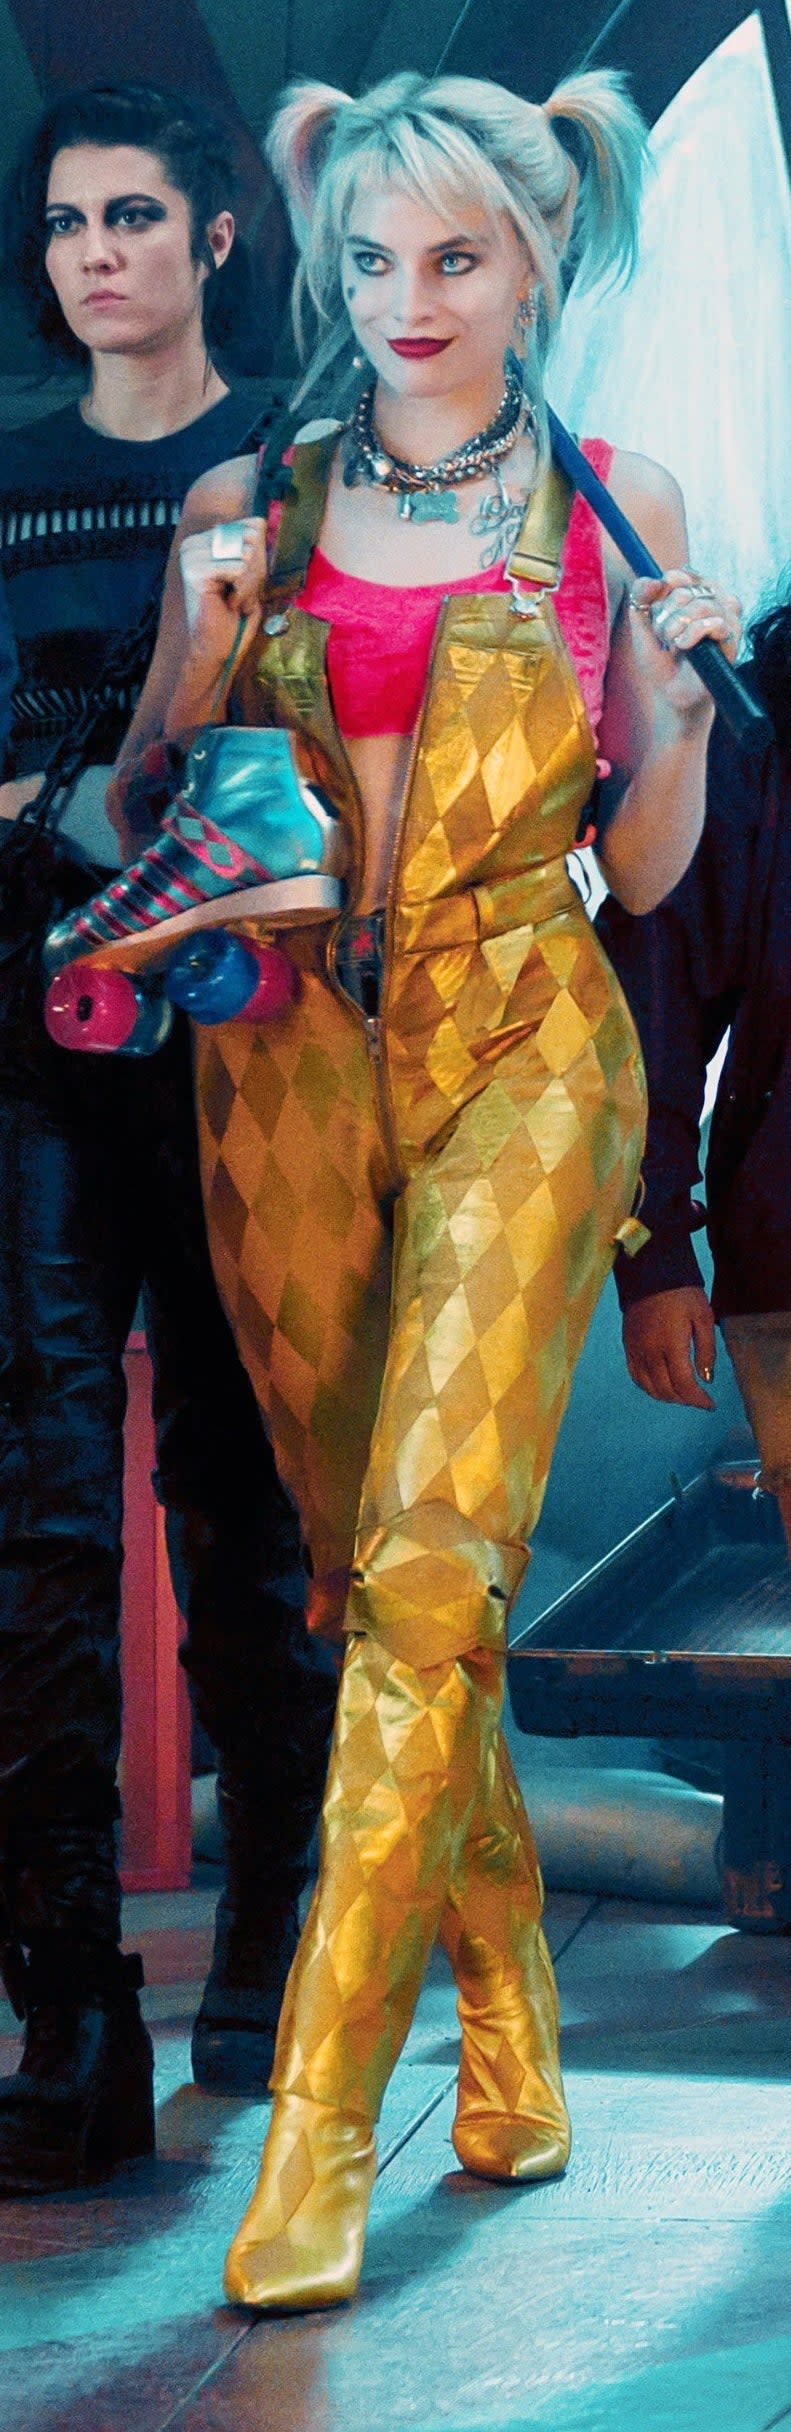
(416, 1176)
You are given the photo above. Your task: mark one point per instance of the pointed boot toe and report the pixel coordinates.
(523, 2150)
(300, 2244)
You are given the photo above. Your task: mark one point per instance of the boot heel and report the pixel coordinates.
(123, 2128)
(511, 2120)
(81, 2100)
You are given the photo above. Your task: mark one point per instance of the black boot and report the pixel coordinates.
(255, 1938)
(266, 1698)
(81, 2101)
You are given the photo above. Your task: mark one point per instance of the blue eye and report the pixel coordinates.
(370, 264)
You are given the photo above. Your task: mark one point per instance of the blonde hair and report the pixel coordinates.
(456, 134)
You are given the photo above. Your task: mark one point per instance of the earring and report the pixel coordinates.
(527, 311)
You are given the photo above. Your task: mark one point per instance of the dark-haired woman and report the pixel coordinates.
(122, 238)
(713, 959)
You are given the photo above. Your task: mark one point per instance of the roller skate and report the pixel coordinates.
(246, 838)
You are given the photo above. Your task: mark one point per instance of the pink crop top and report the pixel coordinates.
(380, 637)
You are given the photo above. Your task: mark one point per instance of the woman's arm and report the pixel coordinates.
(657, 716)
(183, 685)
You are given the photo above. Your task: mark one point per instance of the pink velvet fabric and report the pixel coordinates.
(380, 633)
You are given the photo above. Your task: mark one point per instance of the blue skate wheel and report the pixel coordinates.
(214, 977)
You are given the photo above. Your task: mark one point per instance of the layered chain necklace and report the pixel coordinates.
(427, 492)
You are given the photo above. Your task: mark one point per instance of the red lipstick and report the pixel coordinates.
(415, 348)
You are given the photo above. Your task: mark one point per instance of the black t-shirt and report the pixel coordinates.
(86, 523)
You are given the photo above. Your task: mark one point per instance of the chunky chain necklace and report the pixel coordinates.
(426, 491)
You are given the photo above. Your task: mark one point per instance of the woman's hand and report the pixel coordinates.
(17, 792)
(669, 615)
(223, 571)
(667, 1338)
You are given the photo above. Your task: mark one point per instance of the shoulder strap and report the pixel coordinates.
(537, 555)
(303, 507)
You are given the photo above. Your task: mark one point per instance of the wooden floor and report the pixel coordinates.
(650, 2291)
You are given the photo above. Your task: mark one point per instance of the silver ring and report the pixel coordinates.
(663, 613)
(227, 541)
(667, 612)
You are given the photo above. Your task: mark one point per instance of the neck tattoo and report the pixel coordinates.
(498, 520)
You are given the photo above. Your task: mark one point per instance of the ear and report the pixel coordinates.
(219, 239)
(529, 290)
(530, 275)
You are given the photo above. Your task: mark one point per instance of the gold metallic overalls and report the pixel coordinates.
(411, 1220)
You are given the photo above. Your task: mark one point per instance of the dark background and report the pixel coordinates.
(237, 55)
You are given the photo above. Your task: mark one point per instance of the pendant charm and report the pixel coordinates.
(429, 507)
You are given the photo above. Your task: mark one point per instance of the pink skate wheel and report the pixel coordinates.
(103, 1012)
(276, 985)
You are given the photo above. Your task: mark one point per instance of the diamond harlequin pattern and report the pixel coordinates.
(507, 1127)
(301, 1238)
(508, 2010)
(504, 735)
(405, 1783)
(504, 1123)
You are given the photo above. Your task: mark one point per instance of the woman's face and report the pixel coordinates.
(119, 248)
(431, 295)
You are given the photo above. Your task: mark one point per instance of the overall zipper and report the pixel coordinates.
(372, 1023)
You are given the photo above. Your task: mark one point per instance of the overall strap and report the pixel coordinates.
(303, 508)
(537, 555)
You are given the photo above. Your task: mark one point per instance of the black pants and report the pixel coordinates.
(100, 1199)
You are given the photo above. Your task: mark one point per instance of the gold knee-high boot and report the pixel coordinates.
(404, 1779)
(511, 2119)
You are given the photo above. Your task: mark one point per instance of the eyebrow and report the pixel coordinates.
(138, 195)
(448, 244)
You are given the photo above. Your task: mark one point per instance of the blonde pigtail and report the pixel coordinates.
(298, 144)
(607, 214)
